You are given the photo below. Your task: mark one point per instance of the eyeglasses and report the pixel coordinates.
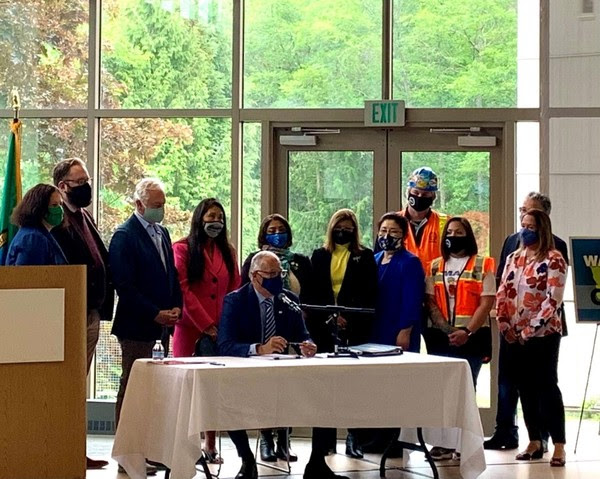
(272, 274)
(347, 230)
(80, 182)
(522, 209)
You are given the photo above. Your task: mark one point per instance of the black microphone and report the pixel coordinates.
(295, 307)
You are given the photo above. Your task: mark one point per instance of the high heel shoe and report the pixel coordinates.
(556, 461)
(529, 456)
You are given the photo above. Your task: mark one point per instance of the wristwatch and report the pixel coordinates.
(466, 330)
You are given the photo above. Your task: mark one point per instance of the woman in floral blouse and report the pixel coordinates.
(528, 300)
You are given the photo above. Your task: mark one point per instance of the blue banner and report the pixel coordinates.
(586, 278)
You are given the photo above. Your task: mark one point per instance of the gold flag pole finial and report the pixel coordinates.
(16, 103)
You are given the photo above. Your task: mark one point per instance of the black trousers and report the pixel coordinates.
(508, 396)
(320, 442)
(240, 441)
(534, 365)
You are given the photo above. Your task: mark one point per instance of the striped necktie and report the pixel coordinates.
(156, 237)
(269, 320)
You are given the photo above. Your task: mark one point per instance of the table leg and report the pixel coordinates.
(421, 447)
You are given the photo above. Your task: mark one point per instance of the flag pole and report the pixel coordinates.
(16, 129)
(12, 190)
(16, 104)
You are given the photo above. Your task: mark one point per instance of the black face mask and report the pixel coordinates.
(389, 243)
(456, 244)
(420, 203)
(80, 196)
(342, 236)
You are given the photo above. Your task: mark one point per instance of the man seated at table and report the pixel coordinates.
(254, 322)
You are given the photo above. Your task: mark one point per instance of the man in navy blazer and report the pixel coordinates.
(144, 275)
(506, 435)
(255, 321)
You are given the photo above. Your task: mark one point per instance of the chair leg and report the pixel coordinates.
(287, 470)
(205, 468)
(427, 455)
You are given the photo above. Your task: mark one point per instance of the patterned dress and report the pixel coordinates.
(530, 295)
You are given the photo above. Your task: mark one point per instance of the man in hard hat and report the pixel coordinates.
(426, 225)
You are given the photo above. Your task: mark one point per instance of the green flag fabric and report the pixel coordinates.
(11, 193)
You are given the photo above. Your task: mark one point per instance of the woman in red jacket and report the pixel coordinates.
(207, 267)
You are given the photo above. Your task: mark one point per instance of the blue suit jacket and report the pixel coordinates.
(34, 246)
(241, 324)
(400, 294)
(142, 283)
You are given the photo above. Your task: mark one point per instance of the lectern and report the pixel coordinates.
(42, 394)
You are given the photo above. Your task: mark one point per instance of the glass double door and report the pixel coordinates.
(367, 170)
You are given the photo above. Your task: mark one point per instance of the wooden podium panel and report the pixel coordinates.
(42, 405)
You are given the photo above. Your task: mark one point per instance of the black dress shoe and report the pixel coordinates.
(267, 446)
(529, 456)
(320, 470)
(352, 448)
(95, 463)
(248, 470)
(498, 442)
(284, 450)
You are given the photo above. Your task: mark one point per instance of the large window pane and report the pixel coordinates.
(44, 52)
(455, 53)
(322, 182)
(251, 188)
(44, 143)
(312, 53)
(464, 186)
(166, 54)
(191, 156)
(574, 55)
(528, 163)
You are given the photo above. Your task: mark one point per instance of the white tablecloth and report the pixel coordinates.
(167, 406)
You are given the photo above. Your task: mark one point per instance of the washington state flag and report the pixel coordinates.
(11, 192)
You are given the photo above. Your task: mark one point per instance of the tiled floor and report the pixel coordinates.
(500, 465)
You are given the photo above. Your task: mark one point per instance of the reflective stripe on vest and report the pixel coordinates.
(468, 290)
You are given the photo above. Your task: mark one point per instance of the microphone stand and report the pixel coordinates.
(334, 311)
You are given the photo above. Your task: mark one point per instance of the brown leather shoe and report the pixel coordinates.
(95, 463)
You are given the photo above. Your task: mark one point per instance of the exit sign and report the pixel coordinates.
(384, 113)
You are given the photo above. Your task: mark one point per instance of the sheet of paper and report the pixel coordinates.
(32, 325)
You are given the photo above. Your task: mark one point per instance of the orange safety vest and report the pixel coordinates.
(431, 241)
(468, 288)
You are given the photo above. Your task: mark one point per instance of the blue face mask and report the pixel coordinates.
(277, 240)
(529, 237)
(273, 285)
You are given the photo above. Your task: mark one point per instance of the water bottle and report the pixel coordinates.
(158, 352)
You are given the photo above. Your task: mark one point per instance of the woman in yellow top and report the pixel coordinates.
(460, 290)
(345, 273)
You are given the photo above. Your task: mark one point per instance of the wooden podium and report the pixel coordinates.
(42, 404)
